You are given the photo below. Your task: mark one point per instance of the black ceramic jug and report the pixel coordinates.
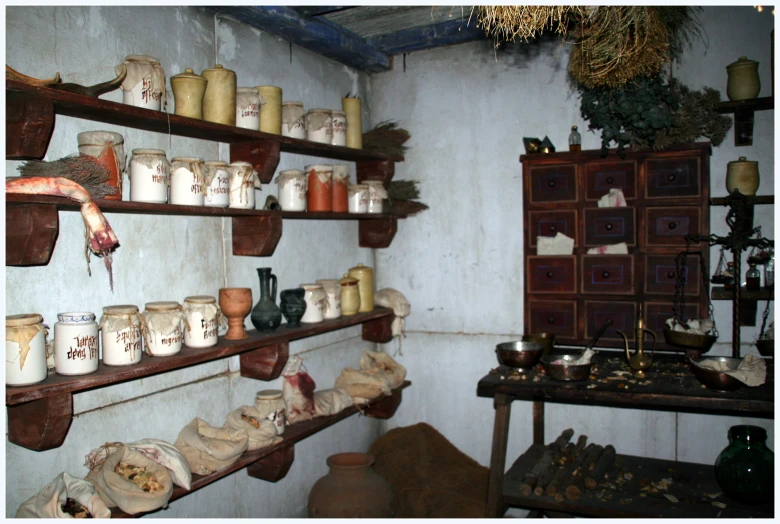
(293, 305)
(266, 315)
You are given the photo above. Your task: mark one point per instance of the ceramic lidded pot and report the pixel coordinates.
(188, 90)
(350, 296)
(25, 349)
(742, 174)
(219, 100)
(365, 276)
(745, 468)
(293, 305)
(743, 83)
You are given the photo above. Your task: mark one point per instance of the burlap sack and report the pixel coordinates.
(166, 455)
(297, 391)
(331, 401)
(261, 437)
(116, 491)
(362, 385)
(209, 449)
(48, 502)
(391, 370)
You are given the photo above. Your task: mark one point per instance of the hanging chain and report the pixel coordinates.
(763, 322)
(681, 261)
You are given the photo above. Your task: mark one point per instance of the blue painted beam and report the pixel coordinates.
(326, 39)
(419, 38)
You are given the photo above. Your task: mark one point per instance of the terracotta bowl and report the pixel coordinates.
(235, 303)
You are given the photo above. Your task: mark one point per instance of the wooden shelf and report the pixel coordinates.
(744, 113)
(39, 415)
(754, 200)
(721, 293)
(273, 463)
(754, 104)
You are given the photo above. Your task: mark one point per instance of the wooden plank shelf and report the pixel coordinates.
(690, 485)
(755, 200)
(744, 116)
(721, 293)
(754, 104)
(273, 463)
(39, 415)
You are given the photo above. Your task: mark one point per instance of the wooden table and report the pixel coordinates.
(670, 386)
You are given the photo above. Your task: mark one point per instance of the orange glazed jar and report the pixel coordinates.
(320, 187)
(340, 201)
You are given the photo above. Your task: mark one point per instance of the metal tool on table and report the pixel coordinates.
(560, 364)
(639, 362)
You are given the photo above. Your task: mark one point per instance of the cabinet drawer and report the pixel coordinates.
(661, 275)
(553, 274)
(673, 178)
(550, 223)
(600, 177)
(556, 317)
(667, 226)
(610, 274)
(656, 314)
(623, 315)
(553, 184)
(609, 225)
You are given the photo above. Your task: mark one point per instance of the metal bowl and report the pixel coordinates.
(565, 371)
(766, 347)
(700, 343)
(717, 380)
(547, 340)
(520, 354)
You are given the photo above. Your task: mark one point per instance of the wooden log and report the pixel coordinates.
(604, 462)
(556, 448)
(575, 487)
(562, 440)
(529, 481)
(581, 441)
(560, 477)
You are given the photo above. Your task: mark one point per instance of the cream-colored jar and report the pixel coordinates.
(248, 108)
(219, 100)
(243, 181)
(271, 109)
(319, 125)
(144, 85)
(743, 82)
(25, 349)
(315, 299)
(120, 334)
(743, 175)
(270, 404)
(188, 186)
(292, 190)
(76, 344)
(188, 91)
(365, 276)
(376, 196)
(353, 110)
(339, 128)
(217, 181)
(332, 290)
(150, 174)
(203, 321)
(164, 324)
(358, 198)
(293, 120)
(350, 295)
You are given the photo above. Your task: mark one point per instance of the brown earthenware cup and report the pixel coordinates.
(236, 303)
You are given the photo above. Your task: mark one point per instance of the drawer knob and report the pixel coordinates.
(605, 274)
(609, 226)
(551, 183)
(549, 274)
(551, 320)
(610, 180)
(672, 225)
(553, 229)
(670, 275)
(670, 177)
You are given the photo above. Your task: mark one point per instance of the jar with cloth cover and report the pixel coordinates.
(248, 108)
(339, 128)
(204, 318)
(108, 148)
(150, 174)
(188, 186)
(217, 182)
(376, 196)
(243, 182)
(121, 335)
(319, 125)
(163, 325)
(291, 185)
(340, 189)
(293, 120)
(319, 187)
(144, 85)
(25, 349)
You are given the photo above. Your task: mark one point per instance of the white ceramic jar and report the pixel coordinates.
(188, 186)
(332, 290)
(339, 128)
(243, 181)
(25, 349)
(292, 190)
(293, 120)
(203, 320)
(76, 344)
(315, 299)
(150, 174)
(217, 180)
(270, 404)
(376, 196)
(164, 325)
(248, 108)
(319, 126)
(144, 85)
(358, 198)
(120, 329)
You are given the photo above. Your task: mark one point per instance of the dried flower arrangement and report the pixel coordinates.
(386, 137)
(402, 198)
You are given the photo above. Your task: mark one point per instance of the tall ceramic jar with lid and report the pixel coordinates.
(376, 196)
(365, 276)
(203, 321)
(270, 404)
(76, 344)
(340, 191)
(144, 85)
(743, 82)
(292, 190)
(188, 91)
(120, 328)
(742, 174)
(164, 324)
(271, 109)
(108, 148)
(25, 349)
(350, 295)
(339, 128)
(243, 182)
(219, 100)
(150, 174)
(319, 125)
(248, 108)
(319, 187)
(188, 186)
(358, 198)
(293, 120)
(332, 290)
(353, 108)
(217, 180)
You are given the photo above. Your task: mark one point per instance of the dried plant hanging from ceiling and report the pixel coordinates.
(504, 23)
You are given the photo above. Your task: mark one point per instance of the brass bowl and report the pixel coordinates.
(520, 354)
(717, 380)
(766, 347)
(565, 371)
(547, 340)
(701, 343)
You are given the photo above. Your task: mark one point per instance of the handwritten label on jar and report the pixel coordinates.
(84, 344)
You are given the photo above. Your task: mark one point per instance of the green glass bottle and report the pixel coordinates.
(745, 468)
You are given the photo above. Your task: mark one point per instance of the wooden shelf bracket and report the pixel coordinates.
(264, 157)
(377, 232)
(41, 424)
(29, 124)
(381, 170)
(273, 467)
(265, 363)
(31, 231)
(256, 236)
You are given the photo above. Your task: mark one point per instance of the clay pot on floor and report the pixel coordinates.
(351, 490)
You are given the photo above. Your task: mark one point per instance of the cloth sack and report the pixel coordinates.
(166, 455)
(389, 297)
(331, 401)
(297, 391)
(48, 502)
(117, 491)
(388, 368)
(261, 437)
(209, 449)
(361, 385)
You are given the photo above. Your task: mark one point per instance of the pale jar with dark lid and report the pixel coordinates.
(25, 349)
(743, 175)
(743, 83)
(120, 329)
(163, 325)
(188, 90)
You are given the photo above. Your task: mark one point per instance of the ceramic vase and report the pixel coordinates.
(188, 90)
(293, 305)
(743, 82)
(266, 315)
(742, 174)
(235, 303)
(219, 100)
(351, 489)
(745, 468)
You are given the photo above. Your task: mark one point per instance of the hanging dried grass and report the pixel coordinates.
(507, 22)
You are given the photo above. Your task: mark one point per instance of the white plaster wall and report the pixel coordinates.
(460, 262)
(169, 258)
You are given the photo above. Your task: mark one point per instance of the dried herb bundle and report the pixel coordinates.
(402, 198)
(82, 169)
(697, 116)
(507, 22)
(386, 137)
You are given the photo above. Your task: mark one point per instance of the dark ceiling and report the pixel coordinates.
(363, 37)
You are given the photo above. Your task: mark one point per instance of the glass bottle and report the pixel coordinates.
(575, 140)
(769, 271)
(753, 278)
(745, 468)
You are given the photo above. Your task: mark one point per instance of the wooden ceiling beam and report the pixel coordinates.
(427, 37)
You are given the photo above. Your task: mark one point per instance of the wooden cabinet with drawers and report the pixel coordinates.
(667, 196)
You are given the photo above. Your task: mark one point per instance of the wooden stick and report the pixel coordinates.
(562, 440)
(529, 481)
(580, 444)
(560, 476)
(556, 448)
(604, 463)
(575, 487)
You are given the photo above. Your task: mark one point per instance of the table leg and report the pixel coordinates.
(539, 422)
(502, 404)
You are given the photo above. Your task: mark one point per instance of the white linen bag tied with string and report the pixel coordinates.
(49, 501)
(389, 297)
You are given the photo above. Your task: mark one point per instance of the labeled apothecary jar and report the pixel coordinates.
(204, 319)
(120, 329)
(319, 187)
(164, 325)
(150, 174)
(339, 128)
(340, 189)
(319, 125)
(248, 108)
(108, 148)
(25, 349)
(293, 120)
(144, 85)
(243, 181)
(76, 345)
(270, 109)
(187, 181)
(270, 404)
(315, 299)
(350, 295)
(219, 100)
(365, 276)
(292, 190)
(358, 198)
(188, 90)
(376, 196)
(217, 180)
(332, 290)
